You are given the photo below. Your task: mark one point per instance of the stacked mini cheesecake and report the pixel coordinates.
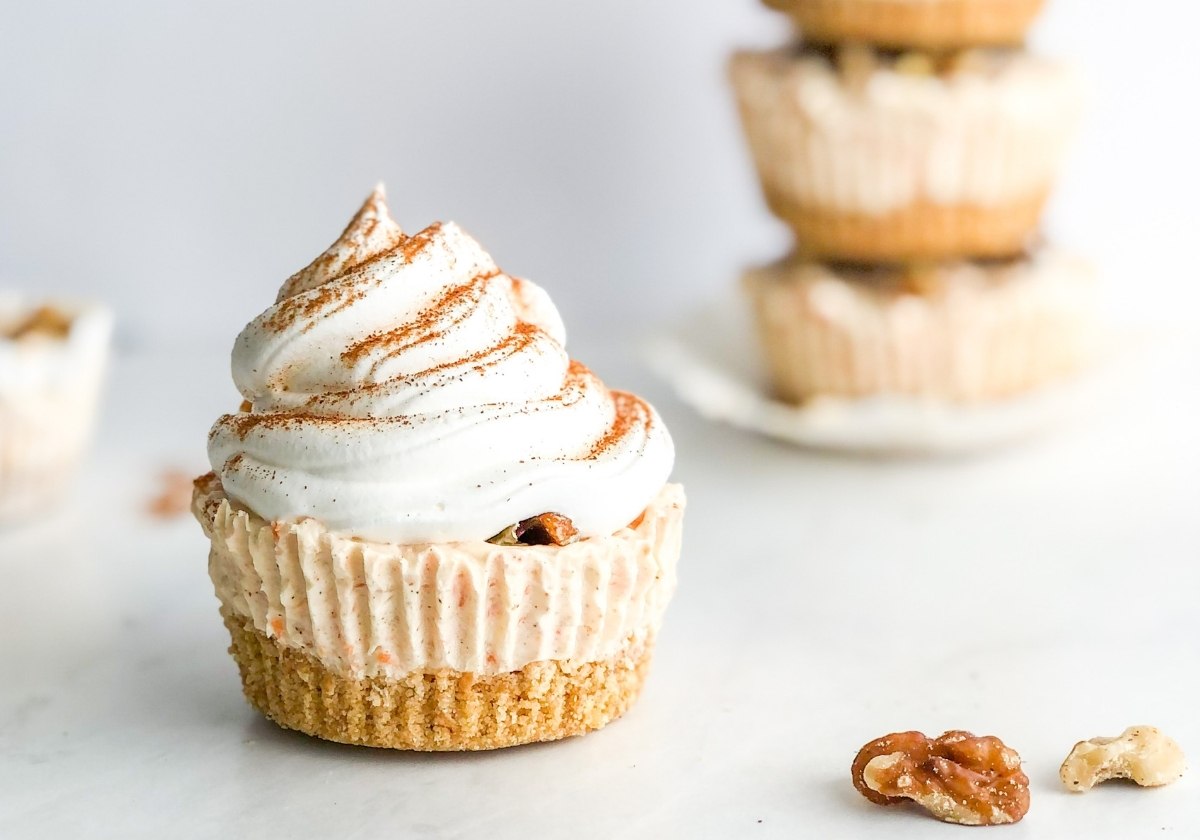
(910, 145)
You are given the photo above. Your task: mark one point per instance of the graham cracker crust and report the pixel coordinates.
(921, 231)
(442, 710)
(948, 24)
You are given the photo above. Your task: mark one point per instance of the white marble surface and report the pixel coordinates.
(1046, 593)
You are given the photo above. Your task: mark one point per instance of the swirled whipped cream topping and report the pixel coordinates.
(404, 389)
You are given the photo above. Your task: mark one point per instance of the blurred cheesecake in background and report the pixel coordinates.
(873, 155)
(910, 146)
(52, 361)
(961, 332)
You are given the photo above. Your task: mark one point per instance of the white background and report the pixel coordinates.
(180, 159)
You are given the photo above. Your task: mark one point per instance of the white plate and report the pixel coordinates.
(712, 362)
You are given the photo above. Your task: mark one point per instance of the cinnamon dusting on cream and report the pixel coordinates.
(371, 232)
(333, 296)
(629, 412)
(404, 388)
(434, 322)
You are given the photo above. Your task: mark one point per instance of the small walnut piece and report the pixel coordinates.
(1141, 753)
(958, 777)
(548, 529)
(544, 529)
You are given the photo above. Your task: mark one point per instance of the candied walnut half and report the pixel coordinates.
(958, 777)
(1140, 753)
(546, 529)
